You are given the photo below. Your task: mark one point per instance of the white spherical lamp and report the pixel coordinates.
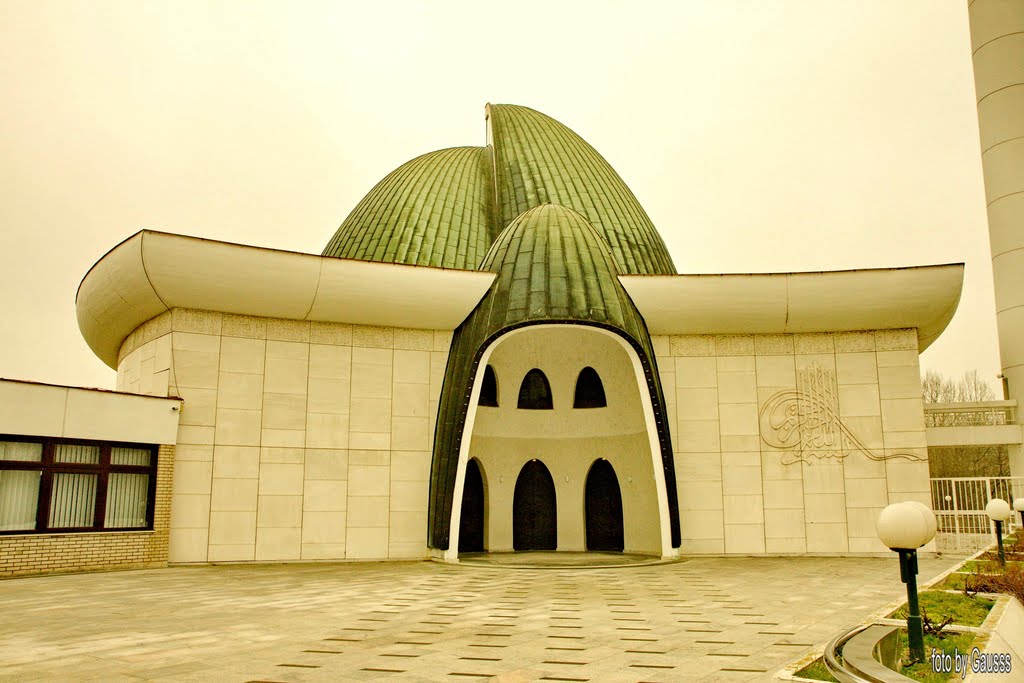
(998, 510)
(902, 527)
(929, 518)
(1018, 504)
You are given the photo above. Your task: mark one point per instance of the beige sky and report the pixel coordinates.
(760, 136)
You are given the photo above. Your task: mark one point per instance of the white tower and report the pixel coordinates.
(997, 45)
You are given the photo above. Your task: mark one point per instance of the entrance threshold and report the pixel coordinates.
(540, 559)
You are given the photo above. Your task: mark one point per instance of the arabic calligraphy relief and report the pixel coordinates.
(805, 423)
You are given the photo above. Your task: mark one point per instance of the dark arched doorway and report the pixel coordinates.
(534, 513)
(603, 508)
(471, 521)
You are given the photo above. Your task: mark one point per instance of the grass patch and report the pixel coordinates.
(987, 566)
(964, 610)
(922, 671)
(816, 671)
(953, 582)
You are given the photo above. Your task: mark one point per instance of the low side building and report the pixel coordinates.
(85, 478)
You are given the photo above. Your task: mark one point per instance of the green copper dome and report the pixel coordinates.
(445, 208)
(537, 160)
(542, 209)
(432, 211)
(553, 267)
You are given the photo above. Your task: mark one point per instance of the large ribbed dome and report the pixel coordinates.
(445, 208)
(432, 211)
(537, 160)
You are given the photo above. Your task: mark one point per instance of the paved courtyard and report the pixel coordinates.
(713, 619)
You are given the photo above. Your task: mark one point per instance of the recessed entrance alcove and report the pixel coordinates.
(565, 478)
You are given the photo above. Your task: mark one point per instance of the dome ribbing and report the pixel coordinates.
(432, 211)
(445, 208)
(538, 160)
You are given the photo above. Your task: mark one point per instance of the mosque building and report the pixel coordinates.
(494, 352)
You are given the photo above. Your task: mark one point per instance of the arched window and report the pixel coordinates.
(489, 389)
(535, 392)
(589, 390)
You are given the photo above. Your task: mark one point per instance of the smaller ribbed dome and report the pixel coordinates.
(553, 268)
(553, 265)
(432, 211)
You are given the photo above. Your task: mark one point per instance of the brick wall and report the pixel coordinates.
(35, 554)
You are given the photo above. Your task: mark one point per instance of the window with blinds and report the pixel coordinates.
(51, 485)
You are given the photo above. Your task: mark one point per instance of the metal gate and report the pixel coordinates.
(959, 505)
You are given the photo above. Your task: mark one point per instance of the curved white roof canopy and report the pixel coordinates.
(152, 272)
(923, 297)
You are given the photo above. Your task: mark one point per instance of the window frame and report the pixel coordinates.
(48, 467)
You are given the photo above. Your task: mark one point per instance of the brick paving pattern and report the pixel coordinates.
(706, 619)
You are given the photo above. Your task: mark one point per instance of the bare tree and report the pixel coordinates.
(937, 388)
(972, 387)
(968, 461)
(963, 461)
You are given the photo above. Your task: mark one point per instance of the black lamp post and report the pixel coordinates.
(998, 510)
(905, 527)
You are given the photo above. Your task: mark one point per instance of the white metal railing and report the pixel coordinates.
(984, 413)
(959, 505)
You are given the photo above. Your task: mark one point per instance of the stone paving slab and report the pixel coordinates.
(705, 619)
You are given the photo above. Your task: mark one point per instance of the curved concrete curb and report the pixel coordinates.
(880, 617)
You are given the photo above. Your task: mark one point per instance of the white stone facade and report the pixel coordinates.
(297, 440)
(820, 487)
(313, 441)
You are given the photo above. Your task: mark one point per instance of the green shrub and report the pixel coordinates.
(1010, 581)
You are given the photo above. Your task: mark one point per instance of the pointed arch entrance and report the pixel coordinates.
(603, 508)
(471, 522)
(534, 510)
(566, 440)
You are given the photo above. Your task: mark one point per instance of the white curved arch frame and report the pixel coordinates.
(452, 553)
